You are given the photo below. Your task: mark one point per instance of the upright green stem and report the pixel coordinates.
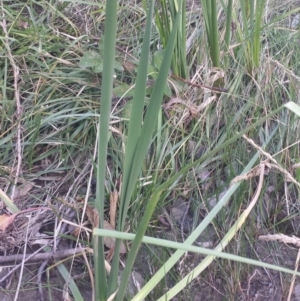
(211, 24)
(228, 30)
(214, 47)
(141, 150)
(134, 132)
(106, 96)
(260, 5)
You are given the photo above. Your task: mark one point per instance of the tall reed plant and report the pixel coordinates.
(249, 33)
(165, 16)
(139, 137)
(209, 9)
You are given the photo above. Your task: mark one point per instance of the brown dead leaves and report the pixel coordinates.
(6, 220)
(93, 218)
(23, 191)
(182, 112)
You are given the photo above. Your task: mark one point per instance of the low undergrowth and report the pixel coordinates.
(51, 74)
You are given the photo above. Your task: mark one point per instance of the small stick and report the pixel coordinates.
(217, 89)
(183, 219)
(39, 278)
(42, 256)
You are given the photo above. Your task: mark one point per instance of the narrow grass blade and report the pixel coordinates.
(71, 284)
(8, 202)
(189, 248)
(293, 107)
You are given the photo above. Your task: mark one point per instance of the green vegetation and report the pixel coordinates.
(136, 105)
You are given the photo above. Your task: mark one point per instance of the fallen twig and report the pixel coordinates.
(40, 256)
